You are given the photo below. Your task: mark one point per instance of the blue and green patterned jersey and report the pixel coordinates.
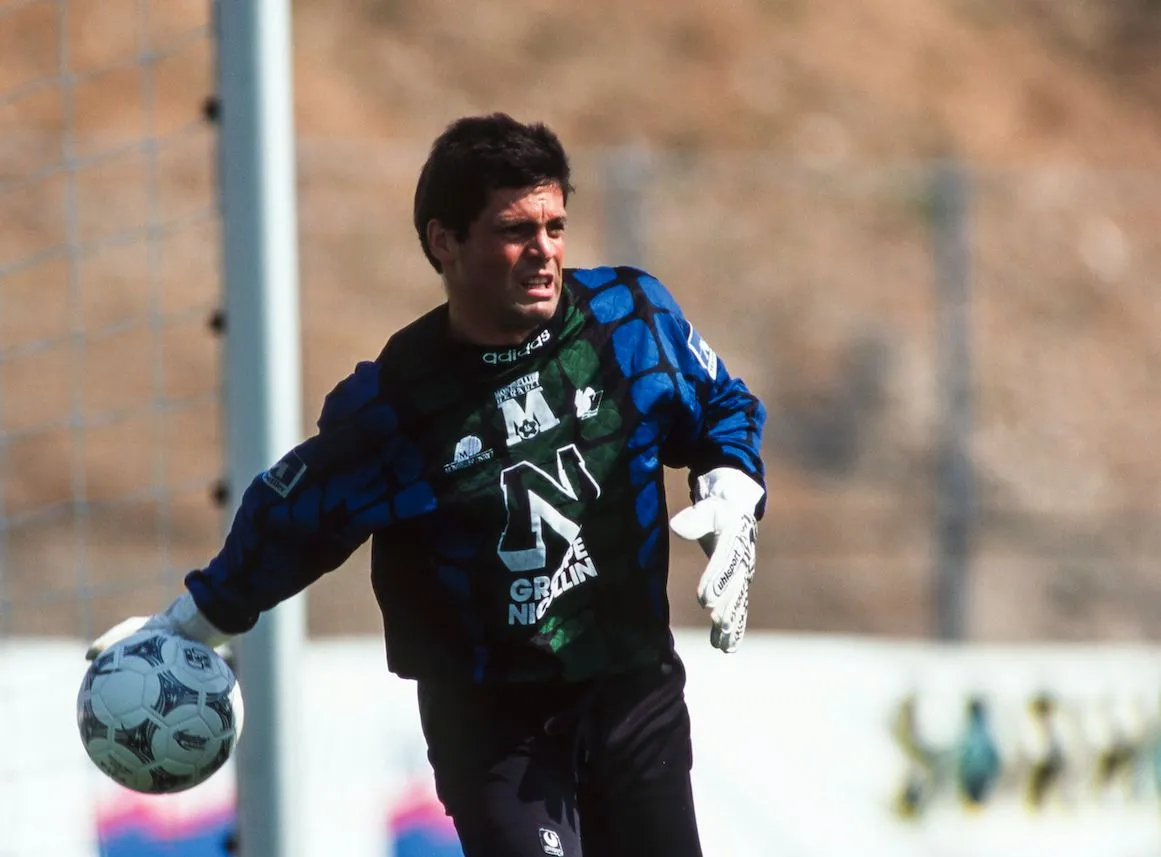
(514, 496)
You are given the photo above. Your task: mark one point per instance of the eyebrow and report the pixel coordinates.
(505, 220)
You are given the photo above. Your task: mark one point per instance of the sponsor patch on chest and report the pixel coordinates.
(525, 410)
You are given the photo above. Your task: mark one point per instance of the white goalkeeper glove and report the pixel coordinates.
(722, 521)
(182, 617)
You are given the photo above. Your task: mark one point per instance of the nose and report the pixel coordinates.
(541, 245)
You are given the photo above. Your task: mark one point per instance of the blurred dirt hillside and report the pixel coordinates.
(1032, 80)
(786, 200)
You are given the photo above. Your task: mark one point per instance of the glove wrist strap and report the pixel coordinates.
(731, 485)
(184, 617)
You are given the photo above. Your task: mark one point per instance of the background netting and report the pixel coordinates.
(109, 414)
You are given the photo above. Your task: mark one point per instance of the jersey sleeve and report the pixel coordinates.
(719, 422)
(309, 512)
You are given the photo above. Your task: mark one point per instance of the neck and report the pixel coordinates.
(466, 329)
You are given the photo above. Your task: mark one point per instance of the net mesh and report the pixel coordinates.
(108, 273)
(109, 390)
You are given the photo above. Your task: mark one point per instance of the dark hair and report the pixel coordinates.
(476, 155)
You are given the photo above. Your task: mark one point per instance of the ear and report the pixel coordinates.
(443, 244)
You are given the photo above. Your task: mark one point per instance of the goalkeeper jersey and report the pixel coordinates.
(514, 496)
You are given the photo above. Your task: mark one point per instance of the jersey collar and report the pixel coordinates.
(541, 340)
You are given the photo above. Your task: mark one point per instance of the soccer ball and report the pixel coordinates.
(159, 713)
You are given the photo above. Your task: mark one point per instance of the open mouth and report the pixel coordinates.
(539, 285)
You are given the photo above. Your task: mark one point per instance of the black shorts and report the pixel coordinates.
(600, 769)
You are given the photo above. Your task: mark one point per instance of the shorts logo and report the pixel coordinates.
(587, 402)
(283, 476)
(550, 842)
(469, 450)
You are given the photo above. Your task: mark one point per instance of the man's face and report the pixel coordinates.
(504, 278)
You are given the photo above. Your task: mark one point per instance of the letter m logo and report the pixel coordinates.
(527, 420)
(533, 499)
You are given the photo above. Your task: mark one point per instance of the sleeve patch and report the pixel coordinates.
(702, 351)
(283, 476)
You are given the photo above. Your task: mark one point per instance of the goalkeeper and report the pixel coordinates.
(505, 455)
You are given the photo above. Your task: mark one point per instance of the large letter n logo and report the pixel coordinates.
(532, 498)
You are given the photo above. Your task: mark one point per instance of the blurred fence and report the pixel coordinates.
(823, 286)
(109, 400)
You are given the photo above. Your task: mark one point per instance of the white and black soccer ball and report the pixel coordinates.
(159, 713)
